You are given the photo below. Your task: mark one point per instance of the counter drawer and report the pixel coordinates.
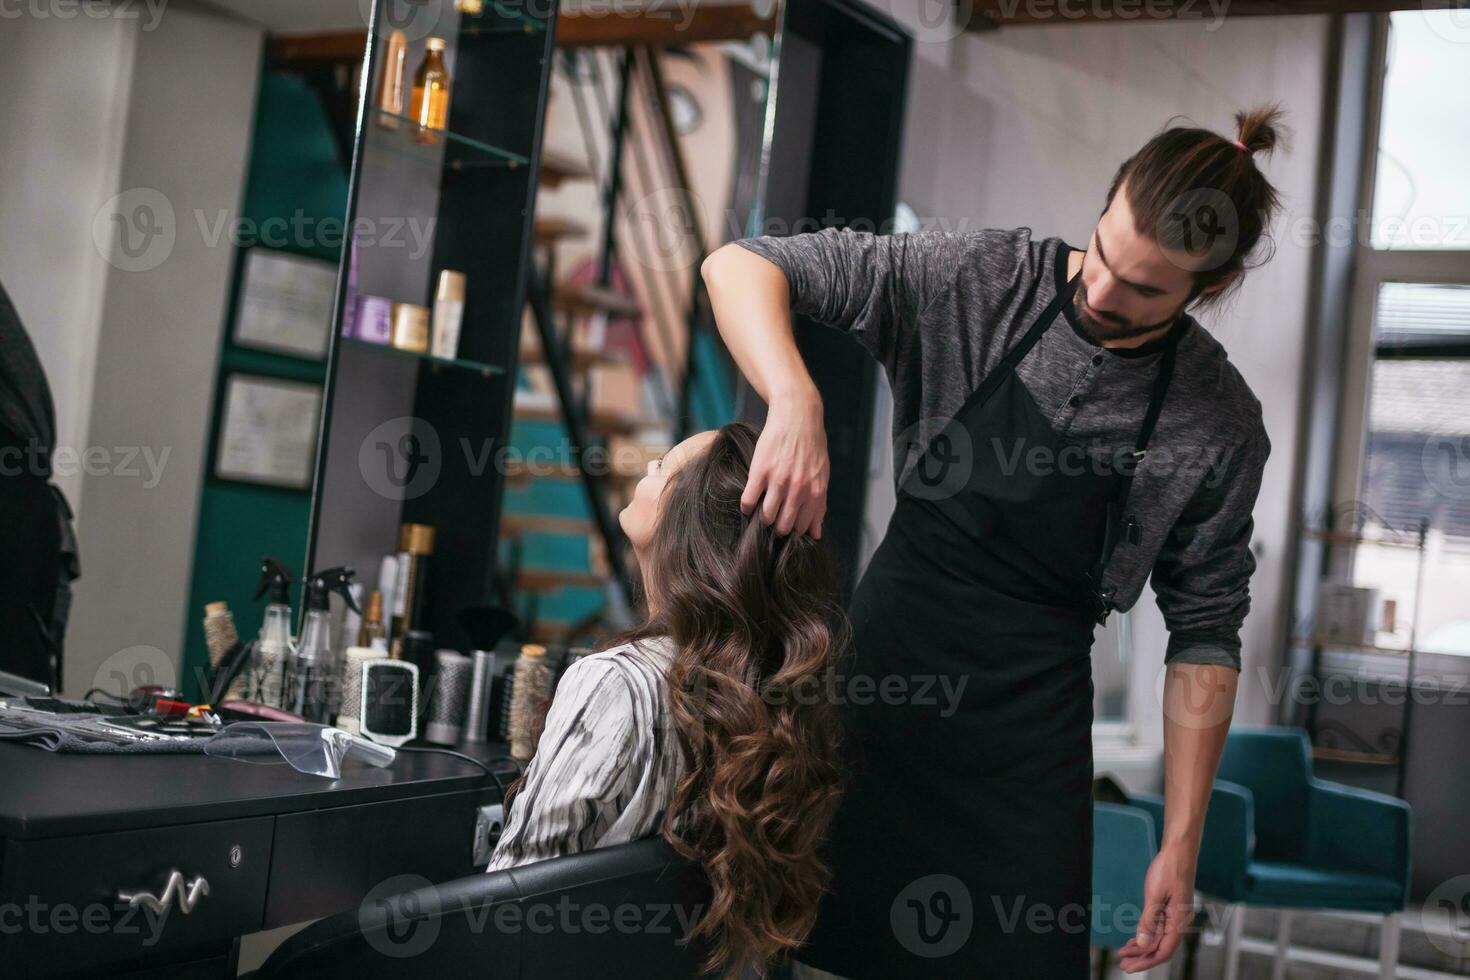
(79, 903)
(327, 861)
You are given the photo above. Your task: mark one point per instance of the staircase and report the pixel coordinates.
(606, 376)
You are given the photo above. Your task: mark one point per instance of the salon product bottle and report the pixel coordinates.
(351, 620)
(312, 689)
(417, 647)
(430, 109)
(274, 648)
(390, 82)
(530, 697)
(410, 599)
(372, 621)
(410, 328)
(373, 320)
(388, 585)
(448, 313)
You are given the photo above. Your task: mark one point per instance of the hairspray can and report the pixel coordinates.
(482, 679)
(410, 597)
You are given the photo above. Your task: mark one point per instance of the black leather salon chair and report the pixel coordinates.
(613, 912)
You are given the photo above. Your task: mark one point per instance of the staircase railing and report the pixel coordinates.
(605, 83)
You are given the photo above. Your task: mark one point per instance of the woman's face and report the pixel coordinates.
(640, 517)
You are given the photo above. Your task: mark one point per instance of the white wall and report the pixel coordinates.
(96, 108)
(63, 120)
(1026, 125)
(190, 115)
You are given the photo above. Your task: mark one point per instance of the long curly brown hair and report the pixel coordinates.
(757, 630)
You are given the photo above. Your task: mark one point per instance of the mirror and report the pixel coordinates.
(185, 191)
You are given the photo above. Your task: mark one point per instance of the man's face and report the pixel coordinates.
(1130, 286)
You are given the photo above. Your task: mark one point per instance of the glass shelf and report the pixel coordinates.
(457, 363)
(399, 140)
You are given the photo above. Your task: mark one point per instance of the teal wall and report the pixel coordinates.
(294, 168)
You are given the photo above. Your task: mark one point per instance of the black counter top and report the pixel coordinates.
(49, 794)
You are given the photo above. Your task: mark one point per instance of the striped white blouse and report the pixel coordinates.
(607, 763)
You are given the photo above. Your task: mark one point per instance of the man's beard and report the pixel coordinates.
(1104, 330)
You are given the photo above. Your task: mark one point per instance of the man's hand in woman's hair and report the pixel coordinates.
(788, 474)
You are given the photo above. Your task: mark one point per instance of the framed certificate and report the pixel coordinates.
(285, 303)
(268, 432)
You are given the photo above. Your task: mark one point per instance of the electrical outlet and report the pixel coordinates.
(489, 822)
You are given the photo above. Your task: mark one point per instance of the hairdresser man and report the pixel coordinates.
(1065, 431)
(38, 559)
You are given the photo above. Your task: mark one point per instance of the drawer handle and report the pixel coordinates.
(188, 894)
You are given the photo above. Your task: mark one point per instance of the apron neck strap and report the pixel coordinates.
(1159, 392)
(1118, 506)
(1014, 355)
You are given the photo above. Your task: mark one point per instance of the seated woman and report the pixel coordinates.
(707, 722)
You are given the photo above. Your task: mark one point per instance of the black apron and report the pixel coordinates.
(963, 846)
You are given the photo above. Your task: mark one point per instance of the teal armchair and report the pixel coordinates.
(1275, 836)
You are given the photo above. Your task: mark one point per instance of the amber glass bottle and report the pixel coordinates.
(430, 109)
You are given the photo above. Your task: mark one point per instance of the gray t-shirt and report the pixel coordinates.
(939, 310)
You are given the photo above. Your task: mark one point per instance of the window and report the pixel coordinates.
(1421, 197)
(1406, 458)
(1416, 468)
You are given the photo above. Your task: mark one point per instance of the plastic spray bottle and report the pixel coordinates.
(311, 676)
(274, 648)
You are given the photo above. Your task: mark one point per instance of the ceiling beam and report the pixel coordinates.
(657, 25)
(331, 47)
(987, 15)
(661, 25)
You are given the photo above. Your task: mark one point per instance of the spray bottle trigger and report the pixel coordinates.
(274, 578)
(338, 580)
